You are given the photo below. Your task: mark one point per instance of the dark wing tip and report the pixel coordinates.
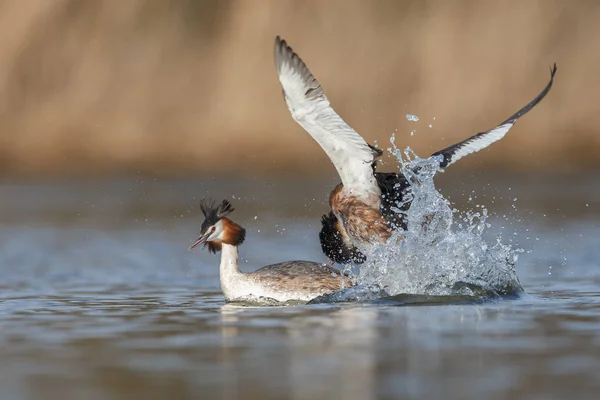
(285, 55)
(513, 118)
(553, 71)
(449, 152)
(280, 48)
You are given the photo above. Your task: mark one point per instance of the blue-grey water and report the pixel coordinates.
(100, 299)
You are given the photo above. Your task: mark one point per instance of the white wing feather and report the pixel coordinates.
(483, 139)
(306, 100)
(476, 143)
(349, 152)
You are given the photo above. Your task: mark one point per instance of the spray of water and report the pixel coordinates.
(437, 255)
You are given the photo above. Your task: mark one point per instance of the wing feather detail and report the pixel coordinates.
(348, 151)
(482, 140)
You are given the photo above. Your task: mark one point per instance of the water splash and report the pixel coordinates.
(359, 293)
(441, 253)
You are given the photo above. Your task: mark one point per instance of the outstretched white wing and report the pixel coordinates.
(484, 139)
(306, 100)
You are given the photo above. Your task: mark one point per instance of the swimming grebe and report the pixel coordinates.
(357, 202)
(287, 281)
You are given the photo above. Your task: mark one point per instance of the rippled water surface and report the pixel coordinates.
(99, 298)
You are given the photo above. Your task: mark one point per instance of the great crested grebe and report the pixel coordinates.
(357, 203)
(287, 281)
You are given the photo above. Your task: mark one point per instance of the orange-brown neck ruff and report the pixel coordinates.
(339, 193)
(233, 234)
(362, 222)
(335, 195)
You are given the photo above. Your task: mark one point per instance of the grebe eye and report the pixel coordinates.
(213, 229)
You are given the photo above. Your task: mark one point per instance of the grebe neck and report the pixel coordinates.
(229, 273)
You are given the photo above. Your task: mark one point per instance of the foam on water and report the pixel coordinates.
(440, 253)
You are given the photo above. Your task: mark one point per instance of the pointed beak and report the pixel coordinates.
(199, 241)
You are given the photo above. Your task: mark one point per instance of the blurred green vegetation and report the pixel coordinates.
(103, 87)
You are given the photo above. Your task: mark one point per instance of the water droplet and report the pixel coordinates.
(412, 117)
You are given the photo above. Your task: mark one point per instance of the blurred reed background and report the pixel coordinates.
(188, 86)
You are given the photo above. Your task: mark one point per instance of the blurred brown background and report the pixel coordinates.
(188, 86)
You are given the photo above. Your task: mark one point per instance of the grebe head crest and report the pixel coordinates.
(216, 228)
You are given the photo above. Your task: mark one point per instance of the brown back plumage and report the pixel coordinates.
(302, 276)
